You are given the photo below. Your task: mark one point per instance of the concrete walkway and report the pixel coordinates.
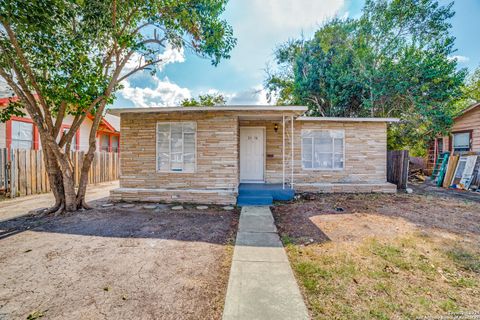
(17, 207)
(261, 284)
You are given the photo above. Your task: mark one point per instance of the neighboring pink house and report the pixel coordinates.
(21, 133)
(464, 136)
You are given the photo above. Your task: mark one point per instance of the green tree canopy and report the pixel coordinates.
(393, 61)
(470, 91)
(209, 99)
(68, 57)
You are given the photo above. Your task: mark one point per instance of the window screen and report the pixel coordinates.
(323, 149)
(176, 146)
(22, 135)
(461, 141)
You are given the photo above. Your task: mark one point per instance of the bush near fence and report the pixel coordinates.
(23, 172)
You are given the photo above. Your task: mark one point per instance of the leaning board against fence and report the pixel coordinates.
(24, 171)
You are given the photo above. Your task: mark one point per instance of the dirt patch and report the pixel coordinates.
(115, 263)
(384, 256)
(359, 226)
(298, 219)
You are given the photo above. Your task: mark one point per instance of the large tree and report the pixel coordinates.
(395, 60)
(69, 57)
(470, 91)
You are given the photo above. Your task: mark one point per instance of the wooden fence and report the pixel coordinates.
(397, 168)
(24, 172)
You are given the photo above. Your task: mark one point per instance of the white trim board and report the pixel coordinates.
(345, 119)
(255, 108)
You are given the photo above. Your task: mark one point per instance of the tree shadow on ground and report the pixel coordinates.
(213, 225)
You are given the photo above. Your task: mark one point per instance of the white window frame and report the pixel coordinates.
(157, 169)
(469, 141)
(333, 150)
(13, 140)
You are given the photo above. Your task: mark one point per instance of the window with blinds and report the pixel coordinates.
(176, 146)
(323, 149)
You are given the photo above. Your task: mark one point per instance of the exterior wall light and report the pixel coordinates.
(275, 127)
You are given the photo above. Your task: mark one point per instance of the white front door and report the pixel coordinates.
(252, 155)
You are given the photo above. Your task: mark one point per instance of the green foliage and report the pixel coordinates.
(466, 259)
(393, 61)
(470, 92)
(77, 50)
(13, 108)
(205, 100)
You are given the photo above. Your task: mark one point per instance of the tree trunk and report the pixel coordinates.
(82, 184)
(69, 186)
(61, 176)
(55, 178)
(88, 159)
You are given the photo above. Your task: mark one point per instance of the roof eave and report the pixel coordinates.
(467, 110)
(119, 111)
(345, 119)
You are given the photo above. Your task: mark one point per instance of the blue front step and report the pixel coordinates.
(262, 194)
(243, 200)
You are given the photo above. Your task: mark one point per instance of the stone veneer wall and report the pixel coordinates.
(365, 152)
(217, 174)
(217, 152)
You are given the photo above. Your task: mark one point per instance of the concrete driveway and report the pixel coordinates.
(12, 208)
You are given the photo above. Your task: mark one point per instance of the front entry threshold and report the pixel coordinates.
(252, 181)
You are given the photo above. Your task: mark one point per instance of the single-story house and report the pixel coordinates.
(21, 133)
(258, 153)
(464, 136)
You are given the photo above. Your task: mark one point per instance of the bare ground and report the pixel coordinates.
(384, 256)
(114, 263)
(298, 219)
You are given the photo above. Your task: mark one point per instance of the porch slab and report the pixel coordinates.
(263, 193)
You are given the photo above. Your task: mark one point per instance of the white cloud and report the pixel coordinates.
(294, 14)
(169, 55)
(253, 96)
(262, 25)
(165, 93)
(5, 90)
(459, 58)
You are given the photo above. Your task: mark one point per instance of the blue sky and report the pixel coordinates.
(260, 25)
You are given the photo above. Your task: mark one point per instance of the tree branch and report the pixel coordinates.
(146, 65)
(29, 72)
(59, 120)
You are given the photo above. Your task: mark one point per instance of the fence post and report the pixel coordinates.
(13, 174)
(397, 168)
(23, 172)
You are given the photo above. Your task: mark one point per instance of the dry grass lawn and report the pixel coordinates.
(384, 256)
